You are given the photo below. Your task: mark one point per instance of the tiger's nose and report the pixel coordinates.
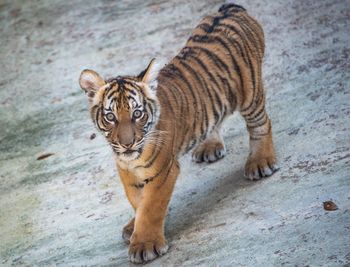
(126, 137)
(128, 144)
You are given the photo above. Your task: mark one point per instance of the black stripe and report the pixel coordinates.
(252, 27)
(259, 107)
(191, 145)
(131, 91)
(258, 136)
(97, 117)
(217, 38)
(149, 162)
(239, 33)
(207, 39)
(151, 178)
(171, 91)
(258, 124)
(167, 174)
(251, 34)
(260, 114)
(150, 111)
(248, 32)
(203, 86)
(212, 79)
(190, 89)
(234, 62)
(214, 58)
(231, 97)
(247, 48)
(169, 72)
(182, 77)
(166, 98)
(110, 94)
(231, 7)
(256, 103)
(171, 78)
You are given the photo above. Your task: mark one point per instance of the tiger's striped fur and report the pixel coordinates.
(216, 73)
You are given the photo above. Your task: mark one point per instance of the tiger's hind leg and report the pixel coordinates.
(211, 149)
(261, 161)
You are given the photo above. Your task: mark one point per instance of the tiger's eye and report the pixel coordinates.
(110, 116)
(137, 114)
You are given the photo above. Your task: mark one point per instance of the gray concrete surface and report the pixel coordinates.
(69, 209)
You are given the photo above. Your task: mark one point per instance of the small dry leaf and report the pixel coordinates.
(329, 205)
(92, 136)
(44, 156)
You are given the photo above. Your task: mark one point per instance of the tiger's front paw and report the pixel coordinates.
(259, 167)
(142, 252)
(209, 152)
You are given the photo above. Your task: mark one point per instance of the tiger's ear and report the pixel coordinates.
(149, 73)
(90, 82)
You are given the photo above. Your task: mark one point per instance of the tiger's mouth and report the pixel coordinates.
(130, 154)
(129, 151)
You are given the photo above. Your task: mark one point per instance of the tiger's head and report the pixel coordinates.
(125, 109)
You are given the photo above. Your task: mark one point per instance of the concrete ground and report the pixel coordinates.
(68, 209)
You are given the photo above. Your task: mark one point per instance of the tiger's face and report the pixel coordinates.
(124, 109)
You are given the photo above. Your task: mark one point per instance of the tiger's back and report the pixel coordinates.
(217, 72)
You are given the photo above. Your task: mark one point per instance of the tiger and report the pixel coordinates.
(149, 125)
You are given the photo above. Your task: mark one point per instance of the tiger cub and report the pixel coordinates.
(217, 72)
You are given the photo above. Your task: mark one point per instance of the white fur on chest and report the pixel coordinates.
(130, 166)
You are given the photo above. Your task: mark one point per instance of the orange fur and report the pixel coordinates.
(217, 72)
